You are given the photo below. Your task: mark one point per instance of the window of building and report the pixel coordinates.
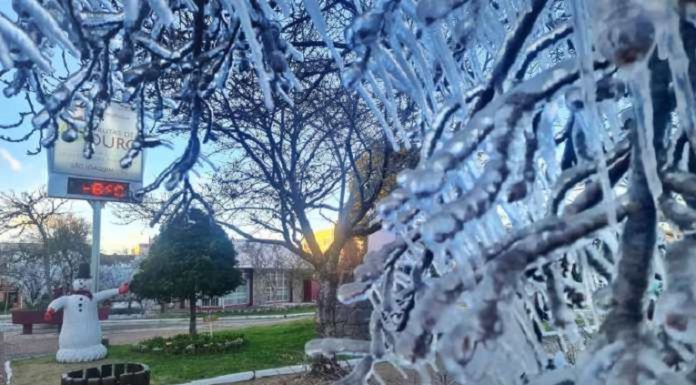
(240, 296)
(277, 287)
(210, 302)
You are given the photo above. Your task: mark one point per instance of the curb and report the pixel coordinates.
(255, 374)
(229, 318)
(8, 373)
(165, 321)
(230, 378)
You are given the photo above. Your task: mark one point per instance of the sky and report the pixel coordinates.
(22, 172)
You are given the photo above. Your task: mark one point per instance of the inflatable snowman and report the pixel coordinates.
(80, 336)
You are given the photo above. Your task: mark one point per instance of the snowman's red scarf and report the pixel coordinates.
(86, 293)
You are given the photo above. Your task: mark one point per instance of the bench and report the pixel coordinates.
(29, 318)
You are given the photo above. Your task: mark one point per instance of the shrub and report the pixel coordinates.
(187, 344)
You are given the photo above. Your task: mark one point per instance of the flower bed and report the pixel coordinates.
(186, 344)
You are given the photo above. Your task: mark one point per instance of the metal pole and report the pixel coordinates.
(96, 237)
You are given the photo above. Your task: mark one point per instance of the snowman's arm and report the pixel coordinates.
(57, 303)
(105, 294)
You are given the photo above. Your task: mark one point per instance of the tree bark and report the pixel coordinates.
(335, 319)
(192, 315)
(326, 307)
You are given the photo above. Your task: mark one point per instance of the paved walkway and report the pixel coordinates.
(143, 323)
(45, 341)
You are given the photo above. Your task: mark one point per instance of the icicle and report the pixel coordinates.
(613, 120)
(422, 67)
(239, 7)
(47, 24)
(15, 36)
(163, 12)
(670, 42)
(314, 10)
(689, 12)
(377, 113)
(444, 55)
(388, 101)
(590, 111)
(131, 10)
(403, 71)
(639, 81)
(153, 46)
(5, 58)
(588, 292)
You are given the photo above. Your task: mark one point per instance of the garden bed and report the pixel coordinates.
(192, 345)
(264, 347)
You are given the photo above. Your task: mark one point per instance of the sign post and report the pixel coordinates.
(101, 178)
(95, 261)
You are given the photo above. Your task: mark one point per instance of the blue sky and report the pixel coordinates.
(22, 172)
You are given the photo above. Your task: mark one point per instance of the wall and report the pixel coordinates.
(261, 282)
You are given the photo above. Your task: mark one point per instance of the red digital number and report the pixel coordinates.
(120, 191)
(97, 189)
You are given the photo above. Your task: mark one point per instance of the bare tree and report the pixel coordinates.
(38, 267)
(321, 159)
(68, 246)
(18, 266)
(30, 214)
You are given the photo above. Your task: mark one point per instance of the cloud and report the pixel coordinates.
(14, 164)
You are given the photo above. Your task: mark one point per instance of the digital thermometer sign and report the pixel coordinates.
(100, 177)
(98, 188)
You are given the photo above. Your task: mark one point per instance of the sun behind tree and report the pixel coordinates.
(191, 258)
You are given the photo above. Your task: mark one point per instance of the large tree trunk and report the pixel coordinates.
(335, 319)
(192, 315)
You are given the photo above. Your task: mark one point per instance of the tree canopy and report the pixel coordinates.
(191, 258)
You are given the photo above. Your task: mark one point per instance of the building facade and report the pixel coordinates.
(271, 276)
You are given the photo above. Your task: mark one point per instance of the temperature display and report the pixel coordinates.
(98, 189)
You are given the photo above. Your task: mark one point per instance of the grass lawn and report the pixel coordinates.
(266, 347)
(270, 311)
(244, 312)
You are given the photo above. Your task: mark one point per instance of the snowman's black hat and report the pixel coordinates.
(83, 272)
